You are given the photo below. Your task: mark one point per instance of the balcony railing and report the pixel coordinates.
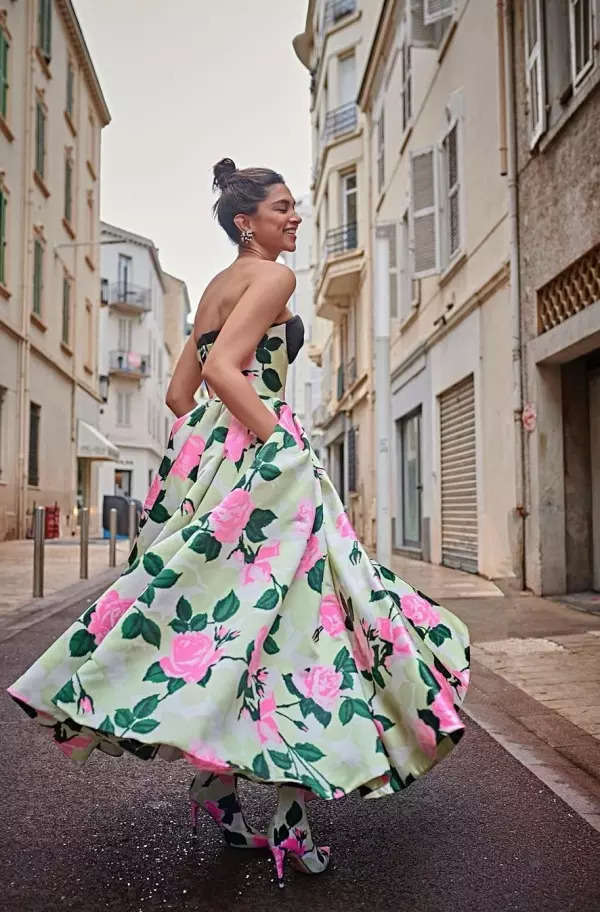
(339, 120)
(338, 240)
(334, 11)
(127, 297)
(129, 364)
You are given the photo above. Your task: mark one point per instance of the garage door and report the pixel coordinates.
(459, 481)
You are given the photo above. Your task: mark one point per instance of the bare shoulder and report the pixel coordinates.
(274, 274)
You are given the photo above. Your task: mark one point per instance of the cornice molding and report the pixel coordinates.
(73, 28)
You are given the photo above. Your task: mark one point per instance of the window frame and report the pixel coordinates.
(4, 74)
(37, 302)
(429, 18)
(70, 89)
(448, 257)
(578, 78)
(44, 40)
(533, 57)
(68, 195)
(67, 310)
(425, 211)
(41, 145)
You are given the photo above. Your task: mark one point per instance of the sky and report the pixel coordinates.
(187, 83)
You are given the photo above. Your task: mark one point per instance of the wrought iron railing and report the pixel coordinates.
(338, 240)
(128, 362)
(339, 120)
(134, 297)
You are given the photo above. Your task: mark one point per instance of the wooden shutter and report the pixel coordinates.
(38, 260)
(434, 10)
(66, 311)
(424, 213)
(459, 476)
(352, 459)
(534, 59)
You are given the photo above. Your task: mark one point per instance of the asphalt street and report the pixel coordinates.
(479, 832)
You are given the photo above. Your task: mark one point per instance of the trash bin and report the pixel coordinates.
(122, 505)
(52, 523)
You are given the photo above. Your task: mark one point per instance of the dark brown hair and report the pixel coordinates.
(241, 192)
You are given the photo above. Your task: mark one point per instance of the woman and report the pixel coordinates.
(250, 632)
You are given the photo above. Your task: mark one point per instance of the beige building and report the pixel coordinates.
(176, 306)
(333, 47)
(51, 115)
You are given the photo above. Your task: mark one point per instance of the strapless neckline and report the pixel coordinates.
(215, 332)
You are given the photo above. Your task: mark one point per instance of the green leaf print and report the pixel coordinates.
(280, 759)
(175, 684)
(155, 674)
(124, 718)
(196, 415)
(346, 711)
(183, 609)
(344, 662)
(287, 680)
(270, 646)
(66, 694)
(81, 643)
(377, 595)
(259, 765)
(361, 708)
(308, 752)
(267, 453)
(275, 625)
(271, 379)
(311, 783)
(151, 632)
(188, 531)
(318, 520)
(429, 718)
(147, 596)
(427, 677)
(308, 706)
(288, 440)
(204, 543)
(131, 567)
(153, 564)
(220, 433)
(268, 600)
(258, 519)
(439, 633)
(268, 471)
(145, 707)
(132, 626)
(198, 622)
(179, 626)
(165, 467)
(226, 608)
(263, 356)
(315, 575)
(294, 814)
(166, 579)
(273, 343)
(158, 513)
(242, 685)
(107, 726)
(387, 574)
(386, 723)
(377, 677)
(144, 726)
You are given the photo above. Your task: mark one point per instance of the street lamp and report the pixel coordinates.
(103, 381)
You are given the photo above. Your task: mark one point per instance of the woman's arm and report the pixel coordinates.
(186, 379)
(254, 313)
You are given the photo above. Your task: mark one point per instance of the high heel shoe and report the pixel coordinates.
(290, 836)
(218, 796)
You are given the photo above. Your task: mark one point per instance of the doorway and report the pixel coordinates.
(410, 479)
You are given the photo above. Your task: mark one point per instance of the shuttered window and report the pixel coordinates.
(45, 28)
(66, 311)
(352, 458)
(3, 74)
(70, 99)
(534, 56)
(38, 277)
(123, 409)
(68, 189)
(33, 474)
(434, 10)
(3, 229)
(424, 229)
(452, 227)
(405, 278)
(40, 139)
(582, 39)
(459, 476)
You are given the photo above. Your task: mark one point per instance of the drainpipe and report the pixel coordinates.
(505, 37)
(383, 397)
(25, 285)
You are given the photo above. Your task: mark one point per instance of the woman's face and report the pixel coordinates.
(276, 221)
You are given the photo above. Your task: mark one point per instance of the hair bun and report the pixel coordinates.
(223, 171)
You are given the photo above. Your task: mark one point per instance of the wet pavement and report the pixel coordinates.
(479, 832)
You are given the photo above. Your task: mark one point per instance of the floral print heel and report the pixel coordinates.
(218, 796)
(290, 836)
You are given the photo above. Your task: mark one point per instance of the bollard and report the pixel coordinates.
(84, 533)
(132, 523)
(112, 542)
(39, 523)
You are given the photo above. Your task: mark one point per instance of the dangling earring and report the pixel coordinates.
(246, 235)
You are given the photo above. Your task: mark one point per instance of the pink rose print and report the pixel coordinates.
(287, 421)
(189, 456)
(397, 635)
(311, 555)
(153, 492)
(419, 611)
(265, 724)
(86, 705)
(379, 727)
(463, 678)
(205, 758)
(261, 636)
(237, 440)
(321, 682)
(305, 517)
(443, 704)
(179, 422)
(425, 738)
(338, 793)
(192, 654)
(331, 615)
(187, 507)
(107, 614)
(344, 526)
(79, 742)
(231, 515)
(260, 568)
(363, 651)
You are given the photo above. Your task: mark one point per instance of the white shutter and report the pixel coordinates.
(534, 58)
(393, 269)
(459, 476)
(582, 38)
(424, 213)
(434, 10)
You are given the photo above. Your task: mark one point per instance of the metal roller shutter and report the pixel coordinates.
(459, 476)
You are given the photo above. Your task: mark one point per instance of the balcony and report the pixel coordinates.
(127, 298)
(129, 364)
(338, 240)
(342, 262)
(338, 121)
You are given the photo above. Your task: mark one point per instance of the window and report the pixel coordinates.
(534, 57)
(123, 482)
(66, 310)
(68, 212)
(89, 319)
(452, 234)
(70, 96)
(349, 212)
(40, 138)
(381, 150)
(423, 217)
(3, 391)
(581, 33)
(123, 409)
(33, 475)
(3, 229)
(38, 276)
(434, 10)
(125, 331)
(3, 74)
(45, 28)
(406, 60)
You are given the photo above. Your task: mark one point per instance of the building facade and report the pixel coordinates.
(176, 303)
(52, 112)
(555, 48)
(134, 361)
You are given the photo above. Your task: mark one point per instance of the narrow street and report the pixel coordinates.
(479, 832)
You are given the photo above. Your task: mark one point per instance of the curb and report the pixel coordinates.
(41, 609)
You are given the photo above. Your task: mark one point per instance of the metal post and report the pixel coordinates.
(132, 523)
(84, 531)
(39, 523)
(112, 542)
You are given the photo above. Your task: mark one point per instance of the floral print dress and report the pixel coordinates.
(250, 631)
